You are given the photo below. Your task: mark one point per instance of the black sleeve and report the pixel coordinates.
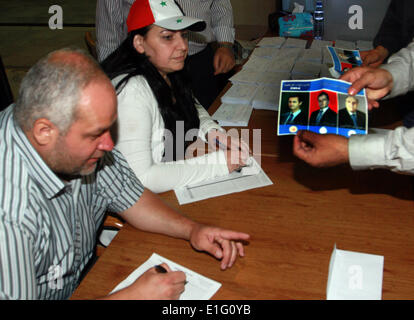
(389, 33)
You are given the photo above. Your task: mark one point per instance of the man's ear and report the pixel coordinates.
(44, 132)
(138, 43)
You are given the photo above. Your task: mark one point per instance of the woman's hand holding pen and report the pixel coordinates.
(236, 151)
(234, 159)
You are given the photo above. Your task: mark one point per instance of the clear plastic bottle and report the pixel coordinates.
(318, 21)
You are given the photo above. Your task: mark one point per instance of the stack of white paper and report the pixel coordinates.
(312, 55)
(249, 178)
(364, 45)
(233, 115)
(281, 64)
(325, 73)
(247, 76)
(239, 94)
(257, 64)
(289, 53)
(267, 98)
(265, 52)
(300, 76)
(350, 45)
(306, 68)
(197, 287)
(295, 43)
(354, 276)
(275, 42)
(272, 78)
(321, 43)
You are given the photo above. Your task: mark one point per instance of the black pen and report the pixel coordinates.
(160, 269)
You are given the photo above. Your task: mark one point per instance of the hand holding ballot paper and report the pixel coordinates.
(378, 83)
(323, 106)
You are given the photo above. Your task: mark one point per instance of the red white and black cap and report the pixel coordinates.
(163, 13)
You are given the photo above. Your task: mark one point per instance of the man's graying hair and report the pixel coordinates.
(52, 88)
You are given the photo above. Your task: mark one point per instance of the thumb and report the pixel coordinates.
(306, 136)
(357, 86)
(369, 59)
(214, 248)
(218, 64)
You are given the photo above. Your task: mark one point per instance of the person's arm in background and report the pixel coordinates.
(110, 27)
(387, 41)
(393, 151)
(401, 66)
(390, 80)
(223, 28)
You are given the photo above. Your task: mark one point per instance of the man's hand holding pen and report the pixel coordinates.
(158, 283)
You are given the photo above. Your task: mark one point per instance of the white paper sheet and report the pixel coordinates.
(267, 98)
(247, 76)
(301, 76)
(320, 43)
(363, 45)
(249, 178)
(307, 68)
(350, 45)
(233, 115)
(107, 236)
(294, 43)
(275, 42)
(239, 94)
(354, 276)
(265, 52)
(312, 54)
(257, 64)
(272, 78)
(289, 53)
(281, 64)
(325, 73)
(197, 287)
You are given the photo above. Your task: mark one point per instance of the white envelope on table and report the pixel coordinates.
(354, 276)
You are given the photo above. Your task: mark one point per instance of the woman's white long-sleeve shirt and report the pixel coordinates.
(140, 137)
(394, 150)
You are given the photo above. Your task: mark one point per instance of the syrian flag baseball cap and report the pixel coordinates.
(163, 13)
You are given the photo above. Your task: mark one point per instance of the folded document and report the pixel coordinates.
(233, 115)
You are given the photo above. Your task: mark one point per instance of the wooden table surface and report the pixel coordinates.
(294, 225)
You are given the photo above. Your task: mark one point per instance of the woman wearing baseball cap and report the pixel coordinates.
(158, 117)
